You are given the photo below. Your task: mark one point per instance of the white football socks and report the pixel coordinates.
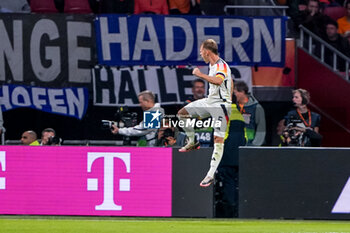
(188, 130)
(215, 158)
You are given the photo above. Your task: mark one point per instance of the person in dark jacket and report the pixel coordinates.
(253, 114)
(227, 176)
(338, 42)
(302, 125)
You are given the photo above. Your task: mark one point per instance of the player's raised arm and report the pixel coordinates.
(216, 80)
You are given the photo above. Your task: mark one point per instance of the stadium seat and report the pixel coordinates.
(335, 12)
(77, 6)
(43, 6)
(302, 7)
(324, 1)
(282, 2)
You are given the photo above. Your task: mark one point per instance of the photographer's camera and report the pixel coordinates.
(292, 136)
(54, 140)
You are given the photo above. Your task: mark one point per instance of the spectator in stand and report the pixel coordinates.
(344, 23)
(117, 6)
(198, 90)
(177, 7)
(29, 138)
(210, 7)
(14, 6)
(294, 8)
(338, 42)
(151, 7)
(313, 19)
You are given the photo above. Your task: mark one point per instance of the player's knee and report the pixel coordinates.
(218, 139)
(182, 112)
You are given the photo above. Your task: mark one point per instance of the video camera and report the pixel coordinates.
(106, 124)
(123, 119)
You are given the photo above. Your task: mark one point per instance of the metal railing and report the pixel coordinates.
(307, 43)
(97, 142)
(81, 142)
(283, 8)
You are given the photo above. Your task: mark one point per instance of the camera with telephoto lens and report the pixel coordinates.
(292, 133)
(167, 133)
(54, 140)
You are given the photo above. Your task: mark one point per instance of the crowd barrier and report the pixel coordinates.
(274, 183)
(294, 183)
(104, 181)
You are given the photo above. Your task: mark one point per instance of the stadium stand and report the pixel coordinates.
(337, 55)
(77, 6)
(43, 6)
(312, 66)
(335, 12)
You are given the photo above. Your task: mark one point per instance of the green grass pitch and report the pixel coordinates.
(29, 224)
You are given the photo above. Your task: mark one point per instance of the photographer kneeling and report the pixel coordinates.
(147, 103)
(302, 125)
(170, 136)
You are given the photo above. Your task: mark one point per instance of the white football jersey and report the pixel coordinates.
(222, 70)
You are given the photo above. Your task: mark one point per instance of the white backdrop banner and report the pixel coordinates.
(119, 87)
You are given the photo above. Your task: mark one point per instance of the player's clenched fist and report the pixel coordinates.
(196, 71)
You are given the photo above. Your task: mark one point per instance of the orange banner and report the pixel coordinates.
(280, 77)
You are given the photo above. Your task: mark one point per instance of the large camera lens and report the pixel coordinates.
(54, 140)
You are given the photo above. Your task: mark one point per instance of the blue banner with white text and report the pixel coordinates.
(124, 40)
(66, 101)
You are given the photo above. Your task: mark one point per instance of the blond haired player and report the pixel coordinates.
(217, 105)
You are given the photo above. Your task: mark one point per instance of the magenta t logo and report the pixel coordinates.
(108, 180)
(3, 168)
